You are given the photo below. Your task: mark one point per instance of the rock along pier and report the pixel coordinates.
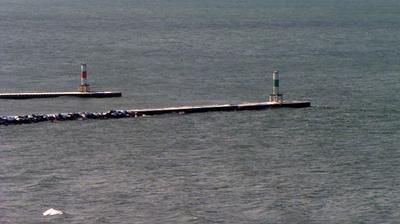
(275, 101)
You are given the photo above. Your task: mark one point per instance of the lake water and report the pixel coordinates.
(335, 162)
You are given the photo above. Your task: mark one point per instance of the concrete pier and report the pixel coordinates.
(220, 107)
(113, 114)
(83, 91)
(17, 96)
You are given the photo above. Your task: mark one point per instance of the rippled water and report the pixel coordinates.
(336, 162)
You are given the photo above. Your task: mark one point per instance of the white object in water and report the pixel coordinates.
(52, 211)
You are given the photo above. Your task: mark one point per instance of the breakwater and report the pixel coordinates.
(17, 96)
(113, 114)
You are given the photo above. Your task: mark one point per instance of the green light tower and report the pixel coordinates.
(275, 97)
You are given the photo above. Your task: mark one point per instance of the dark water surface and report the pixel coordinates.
(336, 162)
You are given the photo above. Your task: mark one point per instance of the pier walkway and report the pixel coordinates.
(35, 118)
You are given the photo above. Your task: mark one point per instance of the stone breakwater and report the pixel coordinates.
(34, 118)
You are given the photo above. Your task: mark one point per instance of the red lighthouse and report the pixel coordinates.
(84, 86)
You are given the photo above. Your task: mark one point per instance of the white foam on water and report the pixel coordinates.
(52, 211)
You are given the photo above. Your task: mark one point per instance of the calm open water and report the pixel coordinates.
(336, 162)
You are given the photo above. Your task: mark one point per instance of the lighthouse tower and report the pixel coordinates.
(276, 96)
(84, 86)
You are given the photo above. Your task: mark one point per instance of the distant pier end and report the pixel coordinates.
(82, 91)
(20, 96)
